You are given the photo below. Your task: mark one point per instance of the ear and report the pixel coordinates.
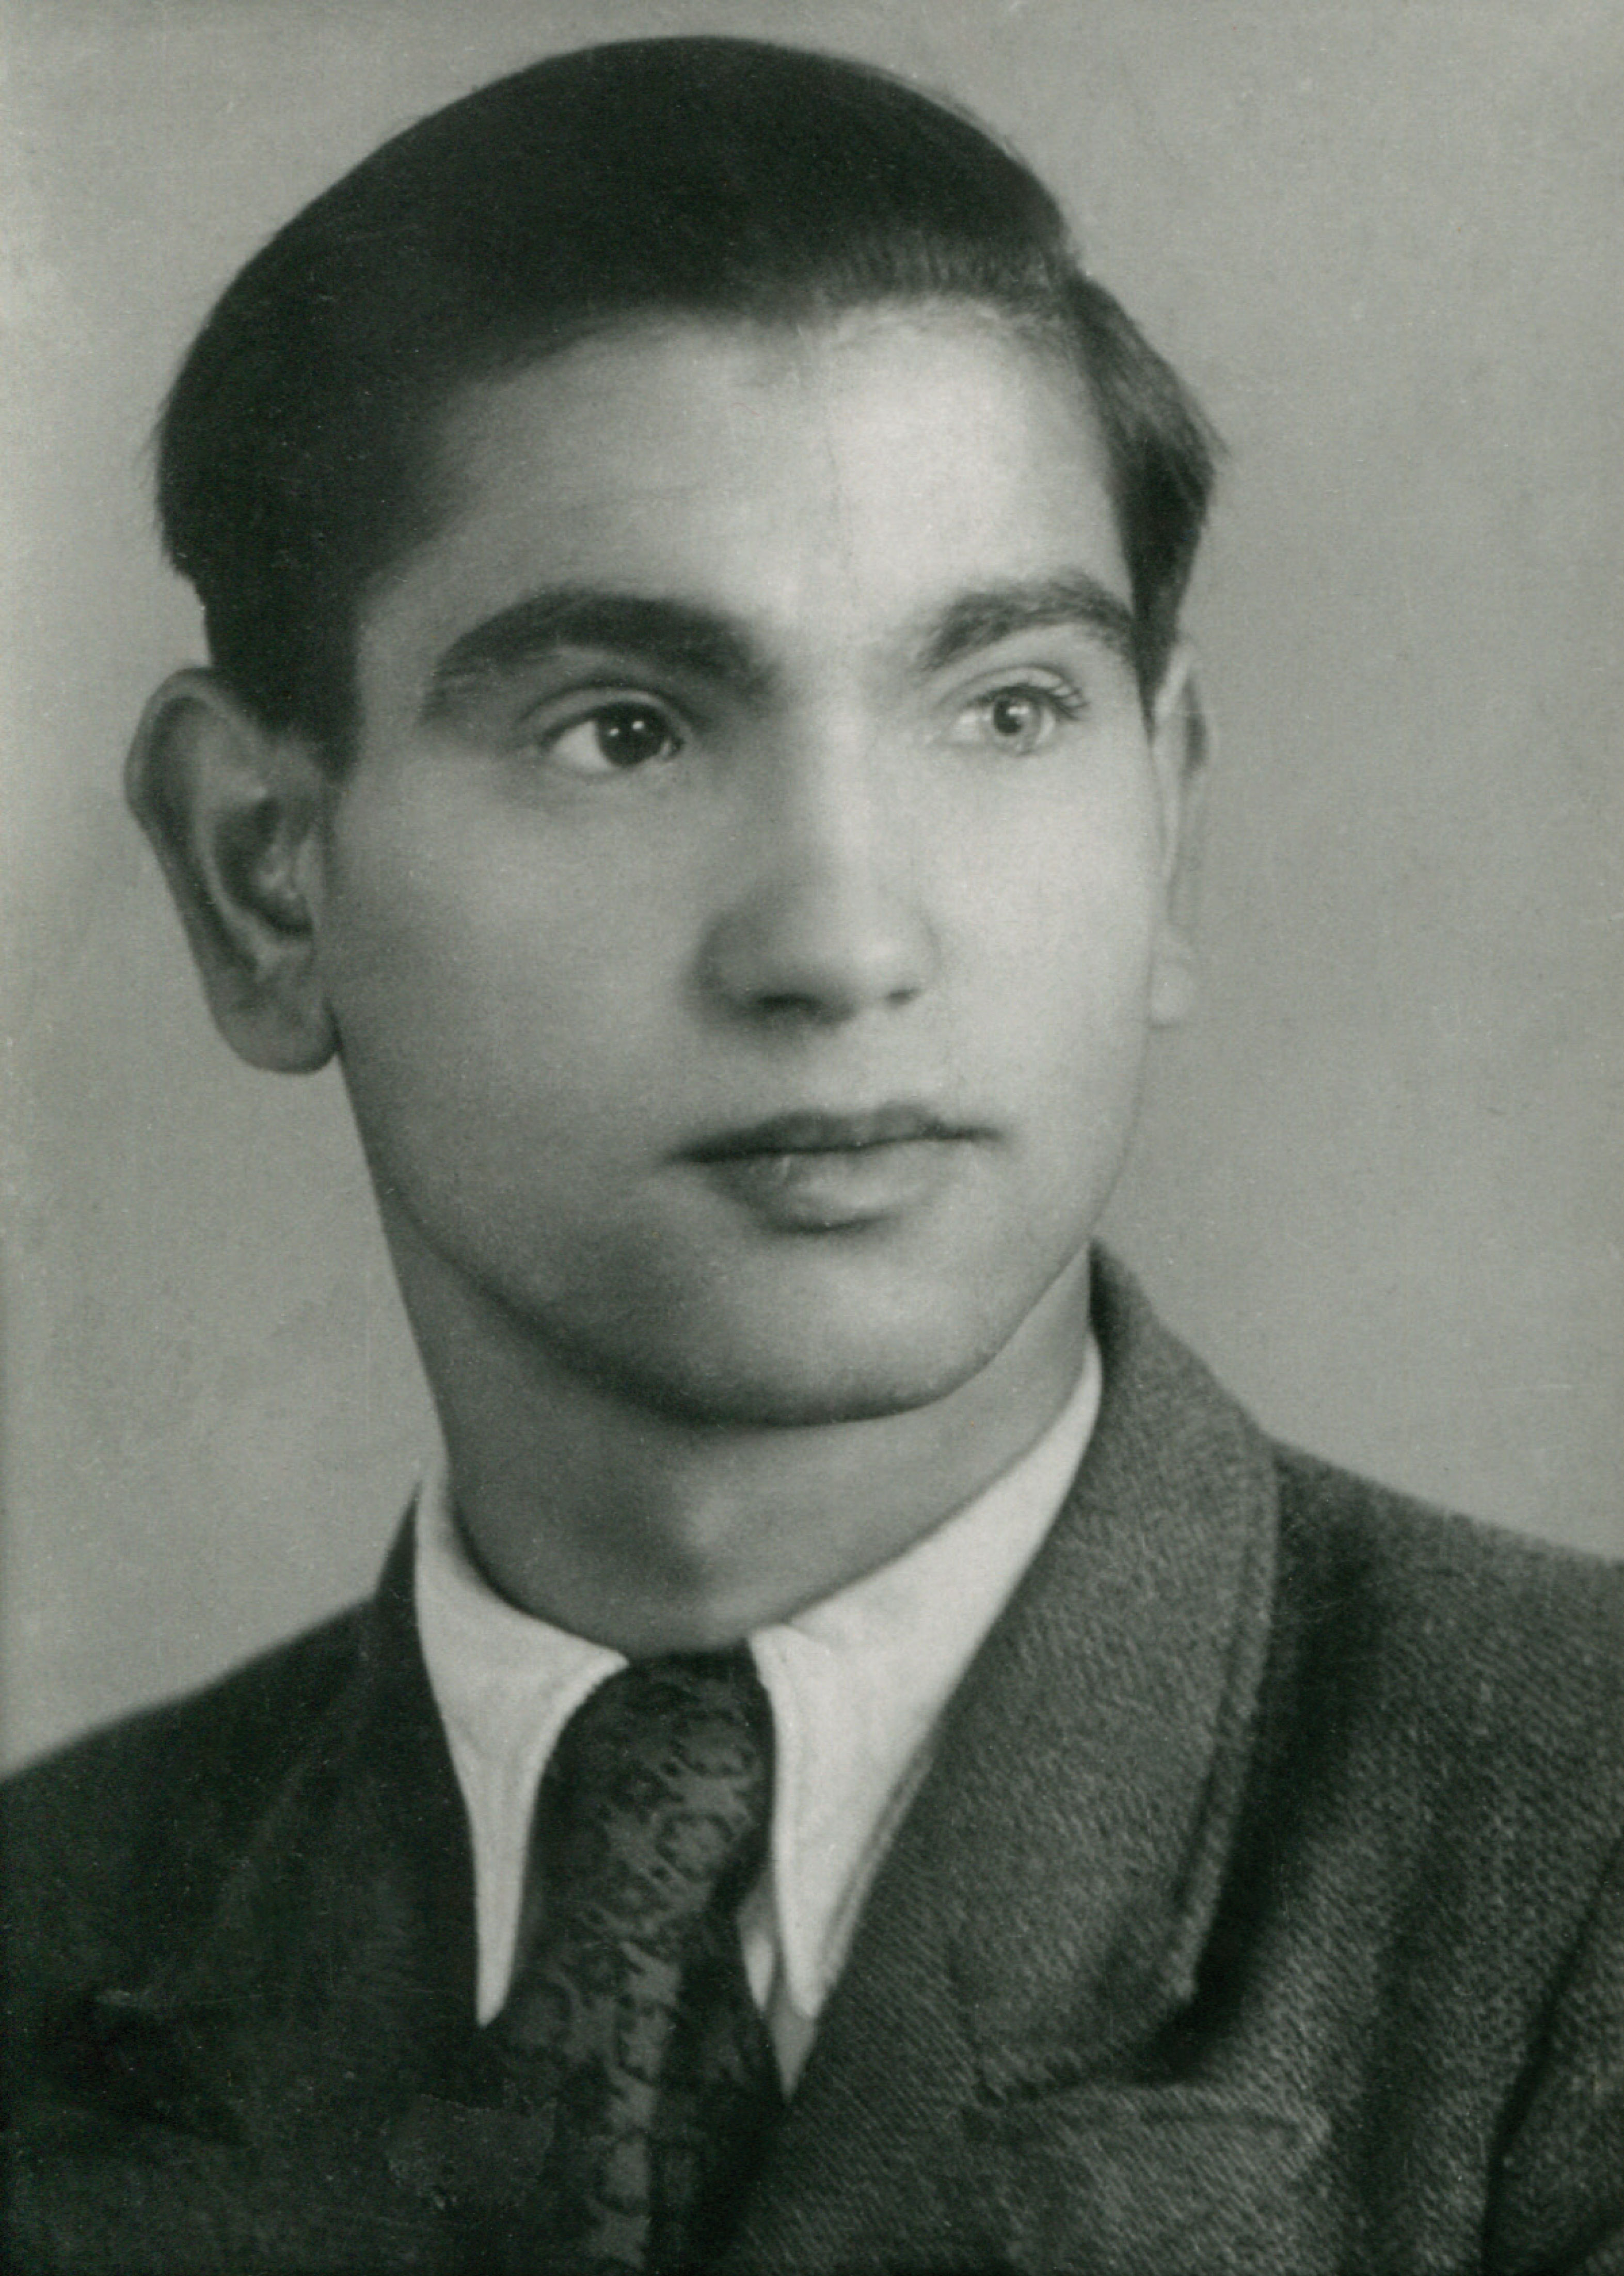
(232, 812)
(1180, 747)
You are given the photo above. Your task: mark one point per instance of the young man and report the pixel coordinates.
(862, 1757)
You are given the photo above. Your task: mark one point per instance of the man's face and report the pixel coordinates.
(741, 916)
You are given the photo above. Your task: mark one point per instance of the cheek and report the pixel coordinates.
(458, 924)
(451, 970)
(1069, 917)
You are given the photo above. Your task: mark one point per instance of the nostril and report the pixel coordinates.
(785, 1007)
(801, 950)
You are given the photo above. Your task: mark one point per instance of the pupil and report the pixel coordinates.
(628, 735)
(1011, 714)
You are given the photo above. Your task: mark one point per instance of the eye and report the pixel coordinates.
(613, 739)
(1018, 718)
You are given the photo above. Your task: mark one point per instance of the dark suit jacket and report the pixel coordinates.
(1255, 1916)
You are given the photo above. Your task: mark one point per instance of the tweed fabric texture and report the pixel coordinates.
(1262, 1915)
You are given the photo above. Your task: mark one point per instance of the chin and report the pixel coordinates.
(769, 1383)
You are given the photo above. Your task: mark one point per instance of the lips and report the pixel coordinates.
(815, 1171)
(815, 1131)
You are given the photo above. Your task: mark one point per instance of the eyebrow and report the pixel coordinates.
(676, 634)
(686, 637)
(981, 619)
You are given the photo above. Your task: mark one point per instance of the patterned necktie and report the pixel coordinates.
(630, 2016)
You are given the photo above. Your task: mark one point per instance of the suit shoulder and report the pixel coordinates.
(1439, 1566)
(237, 1721)
(1467, 1641)
(114, 1844)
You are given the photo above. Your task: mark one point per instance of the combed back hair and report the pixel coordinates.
(719, 178)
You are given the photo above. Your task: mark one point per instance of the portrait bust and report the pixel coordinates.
(707, 728)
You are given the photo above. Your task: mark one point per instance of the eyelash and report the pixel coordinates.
(1060, 703)
(610, 709)
(1057, 702)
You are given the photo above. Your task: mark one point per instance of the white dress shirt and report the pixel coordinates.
(857, 1682)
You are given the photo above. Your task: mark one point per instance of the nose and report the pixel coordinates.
(821, 917)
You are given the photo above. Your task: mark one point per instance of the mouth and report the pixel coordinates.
(813, 1131)
(815, 1171)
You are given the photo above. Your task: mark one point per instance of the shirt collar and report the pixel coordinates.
(858, 1682)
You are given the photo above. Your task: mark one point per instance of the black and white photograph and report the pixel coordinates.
(813, 1138)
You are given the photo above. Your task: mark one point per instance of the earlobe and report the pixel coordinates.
(1182, 746)
(232, 812)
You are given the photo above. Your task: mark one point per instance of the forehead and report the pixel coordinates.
(849, 474)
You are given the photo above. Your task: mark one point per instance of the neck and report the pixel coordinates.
(650, 1533)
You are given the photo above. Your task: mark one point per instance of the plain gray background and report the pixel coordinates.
(1379, 1181)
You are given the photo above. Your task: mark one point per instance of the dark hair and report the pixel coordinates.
(718, 177)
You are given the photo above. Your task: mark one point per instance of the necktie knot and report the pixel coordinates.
(656, 1804)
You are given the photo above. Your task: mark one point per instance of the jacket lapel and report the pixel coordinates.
(241, 2111)
(349, 1924)
(1040, 1917)
(984, 2091)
